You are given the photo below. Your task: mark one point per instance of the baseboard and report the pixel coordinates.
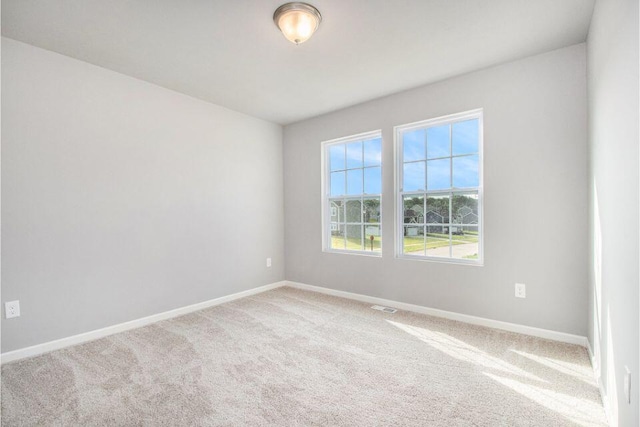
(133, 324)
(595, 364)
(481, 321)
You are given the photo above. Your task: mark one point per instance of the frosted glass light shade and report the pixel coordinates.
(297, 21)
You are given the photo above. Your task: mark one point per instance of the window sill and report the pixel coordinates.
(456, 261)
(361, 253)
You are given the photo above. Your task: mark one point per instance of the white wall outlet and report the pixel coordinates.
(521, 290)
(627, 384)
(12, 309)
(268, 262)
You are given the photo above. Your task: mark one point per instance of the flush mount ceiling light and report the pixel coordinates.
(297, 21)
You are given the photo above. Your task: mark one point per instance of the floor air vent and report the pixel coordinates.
(385, 309)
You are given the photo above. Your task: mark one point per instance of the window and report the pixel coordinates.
(439, 188)
(352, 187)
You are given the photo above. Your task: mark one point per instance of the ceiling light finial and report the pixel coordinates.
(297, 21)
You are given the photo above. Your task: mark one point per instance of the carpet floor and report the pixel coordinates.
(294, 358)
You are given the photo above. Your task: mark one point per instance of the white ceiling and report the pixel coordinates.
(230, 52)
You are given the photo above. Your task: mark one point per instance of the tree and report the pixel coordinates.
(371, 208)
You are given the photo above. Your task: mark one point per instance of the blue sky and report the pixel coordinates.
(423, 147)
(423, 150)
(367, 154)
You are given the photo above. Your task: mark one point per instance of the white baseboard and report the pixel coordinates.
(133, 324)
(496, 324)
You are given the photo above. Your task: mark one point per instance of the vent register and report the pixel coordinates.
(384, 309)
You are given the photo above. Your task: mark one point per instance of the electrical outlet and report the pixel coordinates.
(12, 309)
(521, 290)
(268, 262)
(627, 384)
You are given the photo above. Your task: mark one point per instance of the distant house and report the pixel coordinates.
(414, 215)
(466, 216)
(434, 217)
(370, 214)
(337, 216)
(372, 230)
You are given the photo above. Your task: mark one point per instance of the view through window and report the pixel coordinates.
(353, 187)
(440, 188)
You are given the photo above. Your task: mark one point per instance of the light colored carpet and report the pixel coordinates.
(294, 358)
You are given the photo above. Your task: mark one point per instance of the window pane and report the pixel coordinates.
(413, 145)
(354, 211)
(465, 208)
(354, 155)
(337, 183)
(371, 210)
(354, 181)
(337, 236)
(336, 157)
(413, 176)
(438, 241)
(438, 142)
(373, 180)
(437, 231)
(355, 166)
(465, 171)
(465, 242)
(465, 137)
(373, 152)
(438, 174)
(437, 210)
(336, 210)
(439, 193)
(354, 237)
(413, 209)
(372, 238)
(413, 240)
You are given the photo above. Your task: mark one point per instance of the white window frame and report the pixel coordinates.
(326, 193)
(399, 193)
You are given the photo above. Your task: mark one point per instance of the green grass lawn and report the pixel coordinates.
(411, 243)
(438, 240)
(337, 242)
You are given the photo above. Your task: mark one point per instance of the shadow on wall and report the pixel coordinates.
(607, 370)
(597, 284)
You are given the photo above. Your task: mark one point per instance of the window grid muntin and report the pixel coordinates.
(449, 121)
(328, 199)
(362, 224)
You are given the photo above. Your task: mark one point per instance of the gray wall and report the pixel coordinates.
(613, 192)
(535, 196)
(121, 199)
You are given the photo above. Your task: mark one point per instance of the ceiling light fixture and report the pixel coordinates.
(297, 21)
